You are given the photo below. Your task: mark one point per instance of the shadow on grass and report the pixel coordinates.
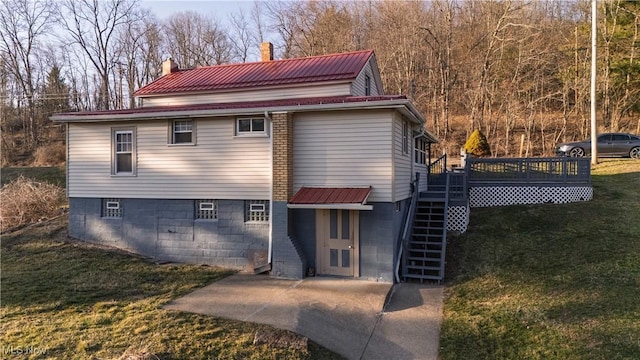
(44, 269)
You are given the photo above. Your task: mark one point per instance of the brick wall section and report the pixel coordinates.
(282, 156)
(287, 260)
(167, 230)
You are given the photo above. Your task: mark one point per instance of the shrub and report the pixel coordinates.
(53, 154)
(25, 201)
(477, 144)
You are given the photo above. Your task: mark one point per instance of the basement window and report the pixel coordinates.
(111, 208)
(256, 210)
(206, 209)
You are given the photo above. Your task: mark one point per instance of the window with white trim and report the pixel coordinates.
(367, 85)
(182, 132)
(420, 151)
(251, 126)
(405, 137)
(111, 208)
(206, 209)
(256, 210)
(123, 151)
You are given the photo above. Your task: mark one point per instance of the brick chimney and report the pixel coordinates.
(169, 66)
(266, 51)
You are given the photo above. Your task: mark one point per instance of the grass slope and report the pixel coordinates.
(63, 300)
(550, 281)
(50, 174)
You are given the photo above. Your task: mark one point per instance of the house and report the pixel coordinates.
(297, 164)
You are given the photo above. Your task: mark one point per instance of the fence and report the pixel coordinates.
(560, 171)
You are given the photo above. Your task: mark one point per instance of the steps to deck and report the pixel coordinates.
(424, 255)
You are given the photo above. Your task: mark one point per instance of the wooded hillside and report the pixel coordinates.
(509, 68)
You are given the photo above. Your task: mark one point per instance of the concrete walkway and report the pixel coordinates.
(343, 315)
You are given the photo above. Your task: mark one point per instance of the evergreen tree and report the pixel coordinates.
(477, 144)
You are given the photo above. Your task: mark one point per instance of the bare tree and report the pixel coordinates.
(23, 25)
(242, 37)
(93, 26)
(196, 40)
(140, 56)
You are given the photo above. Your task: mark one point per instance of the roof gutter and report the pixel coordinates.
(404, 106)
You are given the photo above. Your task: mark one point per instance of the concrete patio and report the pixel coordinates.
(346, 316)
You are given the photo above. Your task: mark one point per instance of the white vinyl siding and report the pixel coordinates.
(222, 166)
(309, 90)
(402, 160)
(345, 148)
(358, 87)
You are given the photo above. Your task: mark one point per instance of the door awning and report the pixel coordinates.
(348, 198)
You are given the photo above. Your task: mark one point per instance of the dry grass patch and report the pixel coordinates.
(26, 201)
(53, 154)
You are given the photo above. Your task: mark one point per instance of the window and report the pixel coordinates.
(420, 151)
(111, 208)
(249, 126)
(256, 210)
(206, 209)
(124, 152)
(367, 85)
(620, 137)
(182, 132)
(405, 137)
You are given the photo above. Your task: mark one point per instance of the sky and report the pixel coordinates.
(220, 9)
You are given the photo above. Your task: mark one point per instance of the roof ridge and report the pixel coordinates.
(281, 60)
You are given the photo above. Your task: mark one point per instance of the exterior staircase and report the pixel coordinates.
(424, 254)
(423, 244)
(426, 249)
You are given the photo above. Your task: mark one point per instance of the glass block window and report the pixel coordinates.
(111, 208)
(207, 209)
(256, 210)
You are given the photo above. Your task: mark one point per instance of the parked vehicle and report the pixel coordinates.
(609, 144)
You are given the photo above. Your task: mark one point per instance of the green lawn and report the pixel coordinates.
(550, 281)
(50, 174)
(63, 300)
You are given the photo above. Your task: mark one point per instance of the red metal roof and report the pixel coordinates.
(239, 105)
(333, 195)
(332, 67)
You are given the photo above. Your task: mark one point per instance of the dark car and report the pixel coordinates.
(609, 144)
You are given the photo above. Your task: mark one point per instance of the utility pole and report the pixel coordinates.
(594, 127)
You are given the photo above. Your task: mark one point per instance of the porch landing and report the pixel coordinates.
(344, 315)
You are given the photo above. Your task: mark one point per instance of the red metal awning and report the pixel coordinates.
(351, 198)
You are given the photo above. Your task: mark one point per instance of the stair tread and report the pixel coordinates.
(417, 258)
(417, 267)
(424, 277)
(427, 243)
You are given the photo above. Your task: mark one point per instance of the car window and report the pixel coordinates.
(620, 137)
(604, 138)
(635, 138)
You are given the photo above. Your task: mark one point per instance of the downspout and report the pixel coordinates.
(268, 118)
